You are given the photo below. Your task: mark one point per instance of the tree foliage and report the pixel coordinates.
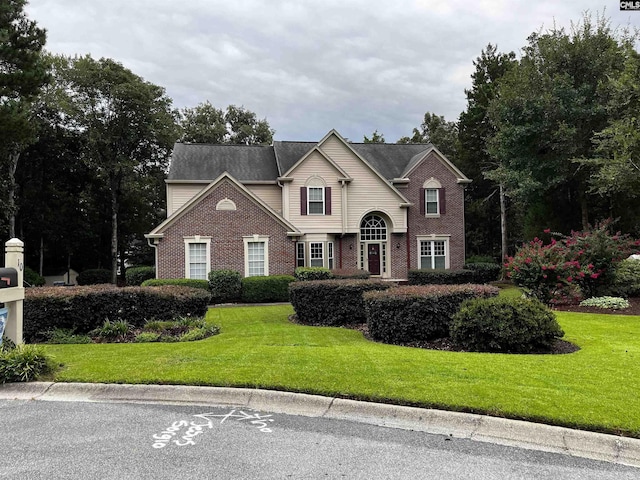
(375, 138)
(236, 125)
(438, 131)
(22, 73)
(547, 111)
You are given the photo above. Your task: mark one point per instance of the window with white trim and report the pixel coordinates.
(197, 257)
(315, 200)
(431, 201)
(433, 254)
(316, 257)
(256, 256)
(300, 256)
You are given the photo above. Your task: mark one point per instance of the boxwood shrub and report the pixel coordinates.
(514, 325)
(331, 302)
(417, 312)
(274, 288)
(83, 309)
(440, 277)
(305, 274)
(136, 275)
(626, 279)
(356, 274)
(225, 286)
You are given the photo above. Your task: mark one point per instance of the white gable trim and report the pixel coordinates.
(384, 181)
(157, 232)
(460, 177)
(307, 155)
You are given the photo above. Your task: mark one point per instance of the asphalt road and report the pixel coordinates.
(83, 440)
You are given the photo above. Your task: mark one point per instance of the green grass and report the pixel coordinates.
(594, 388)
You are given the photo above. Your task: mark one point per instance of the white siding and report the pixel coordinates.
(316, 166)
(180, 193)
(367, 192)
(269, 194)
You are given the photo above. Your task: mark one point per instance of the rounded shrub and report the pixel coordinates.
(513, 325)
(484, 272)
(225, 286)
(32, 278)
(182, 282)
(440, 277)
(274, 288)
(137, 275)
(95, 276)
(626, 279)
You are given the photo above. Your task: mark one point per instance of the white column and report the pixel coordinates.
(14, 258)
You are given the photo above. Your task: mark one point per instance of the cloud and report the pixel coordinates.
(307, 66)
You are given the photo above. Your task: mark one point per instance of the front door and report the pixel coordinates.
(374, 258)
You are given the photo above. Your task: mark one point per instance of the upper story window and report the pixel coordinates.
(315, 200)
(432, 198)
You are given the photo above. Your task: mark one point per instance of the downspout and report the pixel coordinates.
(155, 252)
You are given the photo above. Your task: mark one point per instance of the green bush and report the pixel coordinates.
(626, 279)
(331, 302)
(480, 259)
(198, 334)
(440, 277)
(33, 278)
(182, 282)
(225, 286)
(65, 336)
(94, 276)
(147, 337)
(24, 363)
(274, 288)
(305, 274)
(354, 274)
(417, 312)
(83, 309)
(484, 272)
(136, 275)
(112, 330)
(515, 325)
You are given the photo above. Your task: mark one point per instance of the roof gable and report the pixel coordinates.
(184, 209)
(421, 157)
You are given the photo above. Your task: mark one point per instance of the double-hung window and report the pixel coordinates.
(300, 254)
(431, 201)
(433, 254)
(197, 257)
(256, 256)
(315, 198)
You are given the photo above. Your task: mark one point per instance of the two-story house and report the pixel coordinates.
(265, 210)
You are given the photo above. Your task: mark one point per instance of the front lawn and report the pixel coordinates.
(594, 388)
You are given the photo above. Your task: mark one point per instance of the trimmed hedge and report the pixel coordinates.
(274, 288)
(82, 309)
(331, 302)
(225, 286)
(440, 277)
(417, 312)
(305, 274)
(95, 276)
(514, 325)
(136, 275)
(182, 282)
(484, 272)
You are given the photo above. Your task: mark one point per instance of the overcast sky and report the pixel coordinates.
(308, 66)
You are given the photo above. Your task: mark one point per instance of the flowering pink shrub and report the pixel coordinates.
(573, 266)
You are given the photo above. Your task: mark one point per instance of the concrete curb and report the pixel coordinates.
(516, 433)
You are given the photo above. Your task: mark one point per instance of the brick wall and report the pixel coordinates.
(451, 223)
(226, 229)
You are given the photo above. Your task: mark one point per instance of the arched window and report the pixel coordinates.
(373, 227)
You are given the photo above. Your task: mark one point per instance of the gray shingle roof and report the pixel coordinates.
(192, 161)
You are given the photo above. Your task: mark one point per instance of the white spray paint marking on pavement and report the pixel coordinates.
(184, 432)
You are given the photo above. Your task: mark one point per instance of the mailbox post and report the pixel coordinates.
(13, 293)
